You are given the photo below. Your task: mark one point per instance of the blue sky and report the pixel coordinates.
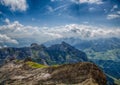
(43, 20)
(59, 12)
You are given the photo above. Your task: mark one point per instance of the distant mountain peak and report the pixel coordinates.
(65, 49)
(65, 44)
(34, 44)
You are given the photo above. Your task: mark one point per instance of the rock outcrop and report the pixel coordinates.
(20, 73)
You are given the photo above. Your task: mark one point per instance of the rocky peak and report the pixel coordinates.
(65, 44)
(62, 47)
(64, 52)
(35, 46)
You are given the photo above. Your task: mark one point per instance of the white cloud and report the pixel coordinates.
(88, 1)
(15, 5)
(60, 7)
(7, 21)
(18, 31)
(33, 19)
(114, 7)
(52, 0)
(113, 16)
(118, 12)
(50, 8)
(86, 22)
(55, 0)
(91, 9)
(87, 32)
(0, 12)
(63, 7)
(105, 10)
(5, 39)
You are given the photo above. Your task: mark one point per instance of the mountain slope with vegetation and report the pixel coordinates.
(105, 52)
(102, 48)
(55, 54)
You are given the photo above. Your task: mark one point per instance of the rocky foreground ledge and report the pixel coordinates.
(30, 73)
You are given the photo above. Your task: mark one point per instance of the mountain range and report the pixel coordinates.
(64, 53)
(40, 65)
(105, 52)
(55, 54)
(102, 48)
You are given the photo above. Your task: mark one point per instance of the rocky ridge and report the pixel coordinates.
(20, 73)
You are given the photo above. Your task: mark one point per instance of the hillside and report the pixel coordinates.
(111, 69)
(105, 52)
(27, 73)
(101, 48)
(55, 54)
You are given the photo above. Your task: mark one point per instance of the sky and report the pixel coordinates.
(28, 21)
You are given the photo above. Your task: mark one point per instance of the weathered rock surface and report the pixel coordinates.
(83, 73)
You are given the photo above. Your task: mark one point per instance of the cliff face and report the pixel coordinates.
(22, 73)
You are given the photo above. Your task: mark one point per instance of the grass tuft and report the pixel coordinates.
(35, 65)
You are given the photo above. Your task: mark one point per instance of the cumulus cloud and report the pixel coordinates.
(18, 31)
(113, 16)
(5, 39)
(87, 32)
(15, 5)
(88, 1)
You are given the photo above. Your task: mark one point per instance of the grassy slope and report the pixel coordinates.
(108, 55)
(35, 65)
